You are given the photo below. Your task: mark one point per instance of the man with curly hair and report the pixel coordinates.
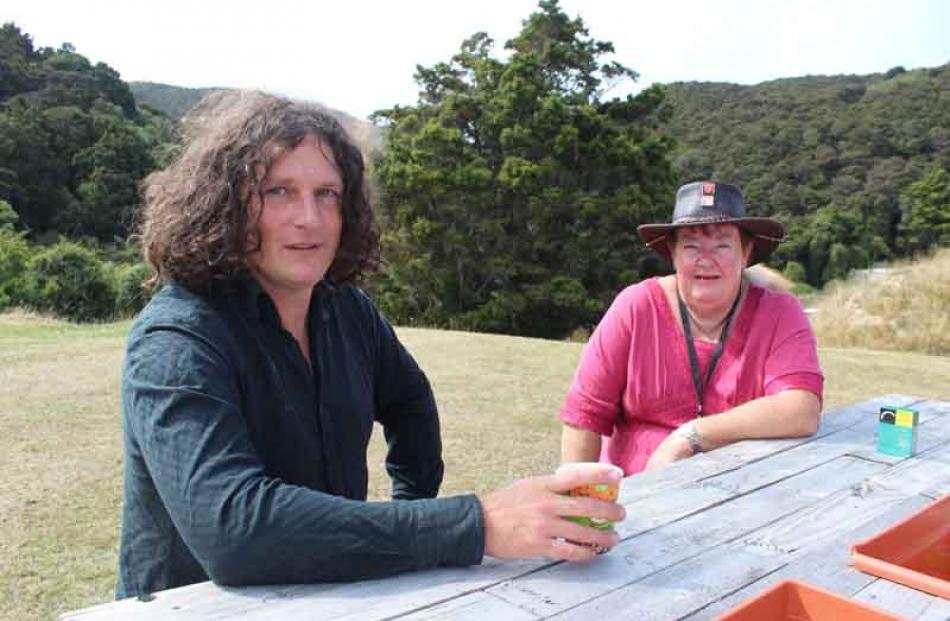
(254, 376)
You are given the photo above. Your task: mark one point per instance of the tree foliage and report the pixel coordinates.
(73, 145)
(510, 193)
(925, 206)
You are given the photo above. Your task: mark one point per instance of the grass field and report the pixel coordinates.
(60, 432)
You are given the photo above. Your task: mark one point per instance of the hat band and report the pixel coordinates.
(703, 219)
(769, 238)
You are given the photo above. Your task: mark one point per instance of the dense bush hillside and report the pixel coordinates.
(857, 165)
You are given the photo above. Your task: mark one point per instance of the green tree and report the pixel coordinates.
(512, 190)
(8, 216)
(14, 253)
(73, 146)
(926, 211)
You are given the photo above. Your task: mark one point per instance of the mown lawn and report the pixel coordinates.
(60, 432)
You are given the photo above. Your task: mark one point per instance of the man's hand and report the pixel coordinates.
(524, 520)
(674, 448)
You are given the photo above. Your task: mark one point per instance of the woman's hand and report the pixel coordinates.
(674, 448)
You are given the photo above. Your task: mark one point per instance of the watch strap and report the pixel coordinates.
(688, 432)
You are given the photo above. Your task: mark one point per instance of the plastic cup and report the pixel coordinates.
(601, 491)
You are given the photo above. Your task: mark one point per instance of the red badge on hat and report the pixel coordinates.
(709, 188)
(709, 195)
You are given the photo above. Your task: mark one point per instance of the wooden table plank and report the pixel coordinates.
(827, 565)
(472, 607)
(741, 454)
(371, 599)
(826, 521)
(563, 586)
(929, 472)
(902, 600)
(682, 588)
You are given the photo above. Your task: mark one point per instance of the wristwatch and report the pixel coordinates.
(688, 432)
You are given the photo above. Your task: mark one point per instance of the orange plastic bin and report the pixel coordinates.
(914, 552)
(791, 600)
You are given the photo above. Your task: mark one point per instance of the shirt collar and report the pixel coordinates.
(261, 307)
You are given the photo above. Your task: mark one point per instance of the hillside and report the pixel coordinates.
(834, 156)
(175, 101)
(172, 101)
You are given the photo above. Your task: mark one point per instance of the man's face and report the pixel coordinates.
(300, 219)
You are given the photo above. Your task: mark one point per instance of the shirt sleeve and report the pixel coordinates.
(593, 401)
(406, 408)
(180, 397)
(792, 362)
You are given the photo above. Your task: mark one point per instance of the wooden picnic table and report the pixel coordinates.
(701, 536)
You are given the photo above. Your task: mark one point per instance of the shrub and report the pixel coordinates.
(795, 271)
(14, 254)
(70, 281)
(131, 292)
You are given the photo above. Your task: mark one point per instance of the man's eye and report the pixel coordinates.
(326, 193)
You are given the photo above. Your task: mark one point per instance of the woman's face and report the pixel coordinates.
(709, 260)
(299, 219)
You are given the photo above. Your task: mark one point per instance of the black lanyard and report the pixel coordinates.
(698, 383)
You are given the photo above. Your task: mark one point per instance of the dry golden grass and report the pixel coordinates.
(60, 436)
(905, 309)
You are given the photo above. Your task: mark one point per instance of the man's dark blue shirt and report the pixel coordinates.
(245, 466)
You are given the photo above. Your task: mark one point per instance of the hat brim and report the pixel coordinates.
(766, 234)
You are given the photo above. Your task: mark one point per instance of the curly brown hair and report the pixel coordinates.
(196, 219)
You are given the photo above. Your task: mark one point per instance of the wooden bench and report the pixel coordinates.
(701, 536)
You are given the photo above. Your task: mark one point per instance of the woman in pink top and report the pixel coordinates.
(697, 360)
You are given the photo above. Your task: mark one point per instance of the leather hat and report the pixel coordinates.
(712, 202)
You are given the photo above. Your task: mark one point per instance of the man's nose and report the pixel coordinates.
(309, 212)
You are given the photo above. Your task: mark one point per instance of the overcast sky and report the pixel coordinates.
(359, 55)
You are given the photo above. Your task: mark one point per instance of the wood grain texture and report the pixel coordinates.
(701, 536)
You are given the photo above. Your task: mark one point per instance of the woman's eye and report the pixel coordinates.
(277, 190)
(327, 193)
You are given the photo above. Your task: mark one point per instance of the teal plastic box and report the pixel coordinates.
(897, 431)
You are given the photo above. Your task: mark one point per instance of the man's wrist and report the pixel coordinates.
(688, 432)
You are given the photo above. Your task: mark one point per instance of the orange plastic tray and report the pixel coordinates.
(791, 600)
(914, 552)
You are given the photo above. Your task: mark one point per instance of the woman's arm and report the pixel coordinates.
(791, 406)
(789, 414)
(579, 444)
(594, 400)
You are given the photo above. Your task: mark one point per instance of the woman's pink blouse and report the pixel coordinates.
(634, 382)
